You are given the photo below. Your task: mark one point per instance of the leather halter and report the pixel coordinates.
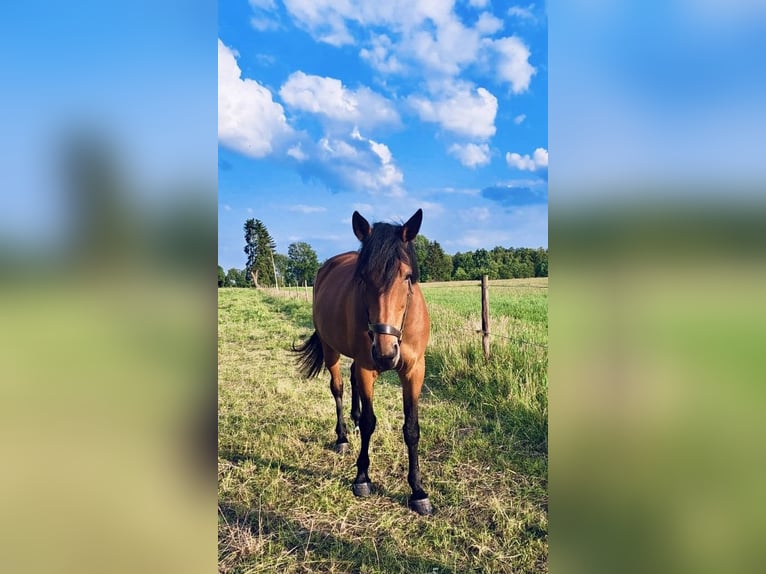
(385, 328)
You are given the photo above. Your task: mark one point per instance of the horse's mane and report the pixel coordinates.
(380, 255)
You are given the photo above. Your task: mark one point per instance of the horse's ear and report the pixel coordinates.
(361, 226)
(411, 228)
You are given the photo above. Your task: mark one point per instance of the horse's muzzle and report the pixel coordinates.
(388, 361)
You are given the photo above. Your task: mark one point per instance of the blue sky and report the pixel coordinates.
(327, 107)
(111, 70)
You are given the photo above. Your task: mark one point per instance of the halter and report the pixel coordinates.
(385, 328)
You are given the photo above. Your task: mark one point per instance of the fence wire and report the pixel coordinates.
(518, 339)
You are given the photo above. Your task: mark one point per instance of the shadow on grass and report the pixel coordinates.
(318, 549)
(295, 311)
(308, 475)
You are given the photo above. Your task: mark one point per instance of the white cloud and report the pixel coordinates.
(520, 118)
(380, 55)
(302, 208)
(263, 24)
(474, 214)
(524, 13)
(296, 152)
(513, 63)
(488, 24)
(263, 17)
(445, 49)
(464, 111)
(354, 164)
(426, 35)
(329, 98)
(538, 160)
(471, 191)
(325, 20)
(471, 155)
(541, 157)
(516, 227)
(249, 120)
(382, 151)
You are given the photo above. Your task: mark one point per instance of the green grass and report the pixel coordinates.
(285, 503)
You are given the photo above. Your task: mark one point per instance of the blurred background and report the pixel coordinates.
(657, 307)
(107, 301)
(108, 306)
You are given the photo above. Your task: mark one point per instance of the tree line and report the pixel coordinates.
(264, 266)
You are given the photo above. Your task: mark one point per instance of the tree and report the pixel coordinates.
(460, 274)
(302, 263)
(527, 258)
(260, 248)
(462, 266)
(236, 278)
(221, 277)
(482, 263)
(438, 264)
(446, 268)
(541, 265)
(420, 244)
(282, 263)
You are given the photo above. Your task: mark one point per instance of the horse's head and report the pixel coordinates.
(387, 269)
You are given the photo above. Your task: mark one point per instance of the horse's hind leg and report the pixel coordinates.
(332, 362)
(356, 405)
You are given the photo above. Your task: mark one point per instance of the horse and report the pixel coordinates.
(368, 306)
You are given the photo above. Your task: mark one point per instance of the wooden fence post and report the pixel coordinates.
(485, 315)
(306, 287)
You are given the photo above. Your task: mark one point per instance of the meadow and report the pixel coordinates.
(285, 502)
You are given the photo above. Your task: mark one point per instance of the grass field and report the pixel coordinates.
(285, 502)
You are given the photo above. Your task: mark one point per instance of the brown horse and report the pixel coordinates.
(368, 306)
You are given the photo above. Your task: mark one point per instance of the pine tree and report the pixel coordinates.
(259, 247)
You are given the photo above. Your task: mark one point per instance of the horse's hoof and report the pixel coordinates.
(422, 506)
(362, 489)
(341, 447)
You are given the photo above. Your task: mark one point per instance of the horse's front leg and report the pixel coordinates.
(412, 382)
(356, 407)
(365, 381)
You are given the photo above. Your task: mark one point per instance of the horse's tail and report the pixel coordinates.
(310, 356)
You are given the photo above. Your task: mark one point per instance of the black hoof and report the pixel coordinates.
(341, 447)
(422, 506)
(362, 489)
